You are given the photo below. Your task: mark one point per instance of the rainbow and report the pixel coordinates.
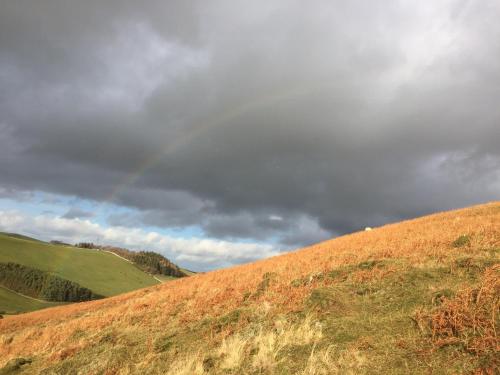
(223, 118)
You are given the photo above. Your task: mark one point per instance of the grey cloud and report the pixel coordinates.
(305, 232)
(124, 219)
(244, 225)
(77, 213)
(334, 116)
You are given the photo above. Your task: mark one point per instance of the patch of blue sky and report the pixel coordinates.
(54, 205)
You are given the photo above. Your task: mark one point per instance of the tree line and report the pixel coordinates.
(148, 261)
(43, 285)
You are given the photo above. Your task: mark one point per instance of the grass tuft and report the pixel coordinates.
(462, 241)
(14, 365)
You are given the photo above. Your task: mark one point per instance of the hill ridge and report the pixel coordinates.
(103, 274)
(220, 304)
(494, 206)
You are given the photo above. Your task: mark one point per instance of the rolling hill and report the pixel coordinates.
(12, 302)
(421, 296)
(102, 272)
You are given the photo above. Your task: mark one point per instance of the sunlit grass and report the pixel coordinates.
(345, 306)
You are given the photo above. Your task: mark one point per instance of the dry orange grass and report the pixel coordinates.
(47, 333)
(472, 317)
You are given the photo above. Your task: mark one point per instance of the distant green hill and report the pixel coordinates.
(13, 303)
(149, 261)
(21, 237)
(101, 272)
(42, 285)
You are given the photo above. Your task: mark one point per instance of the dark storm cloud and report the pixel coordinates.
(230, 115)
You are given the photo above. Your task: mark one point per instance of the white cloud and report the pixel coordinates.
(202, 253)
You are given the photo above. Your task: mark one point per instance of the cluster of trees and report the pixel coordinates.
(87, 245)
(40, 284)
(156, 264)
(149, 261)
(57, 242)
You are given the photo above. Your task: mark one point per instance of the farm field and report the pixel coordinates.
(13, 303)
(102, 272)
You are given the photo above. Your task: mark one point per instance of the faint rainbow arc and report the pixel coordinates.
(223, 118)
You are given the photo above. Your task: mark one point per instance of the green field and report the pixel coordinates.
(13, 303)
(21, 237)
(102, 272)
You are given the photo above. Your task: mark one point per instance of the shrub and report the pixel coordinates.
(15, 365)
(86, 245)
(461, 241)
(164, 343)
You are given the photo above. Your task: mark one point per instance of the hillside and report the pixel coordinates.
(103, 273)
(12, 302)
(21, 237)
(148, 261)
(42, 285)
(420, 297)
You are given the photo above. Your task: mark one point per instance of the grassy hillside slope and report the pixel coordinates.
(21, 237)
(102, 272)
(420, 297)
(13, 303)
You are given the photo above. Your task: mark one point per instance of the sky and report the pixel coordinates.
(221, 132)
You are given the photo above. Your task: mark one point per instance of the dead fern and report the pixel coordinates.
(471, 319)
